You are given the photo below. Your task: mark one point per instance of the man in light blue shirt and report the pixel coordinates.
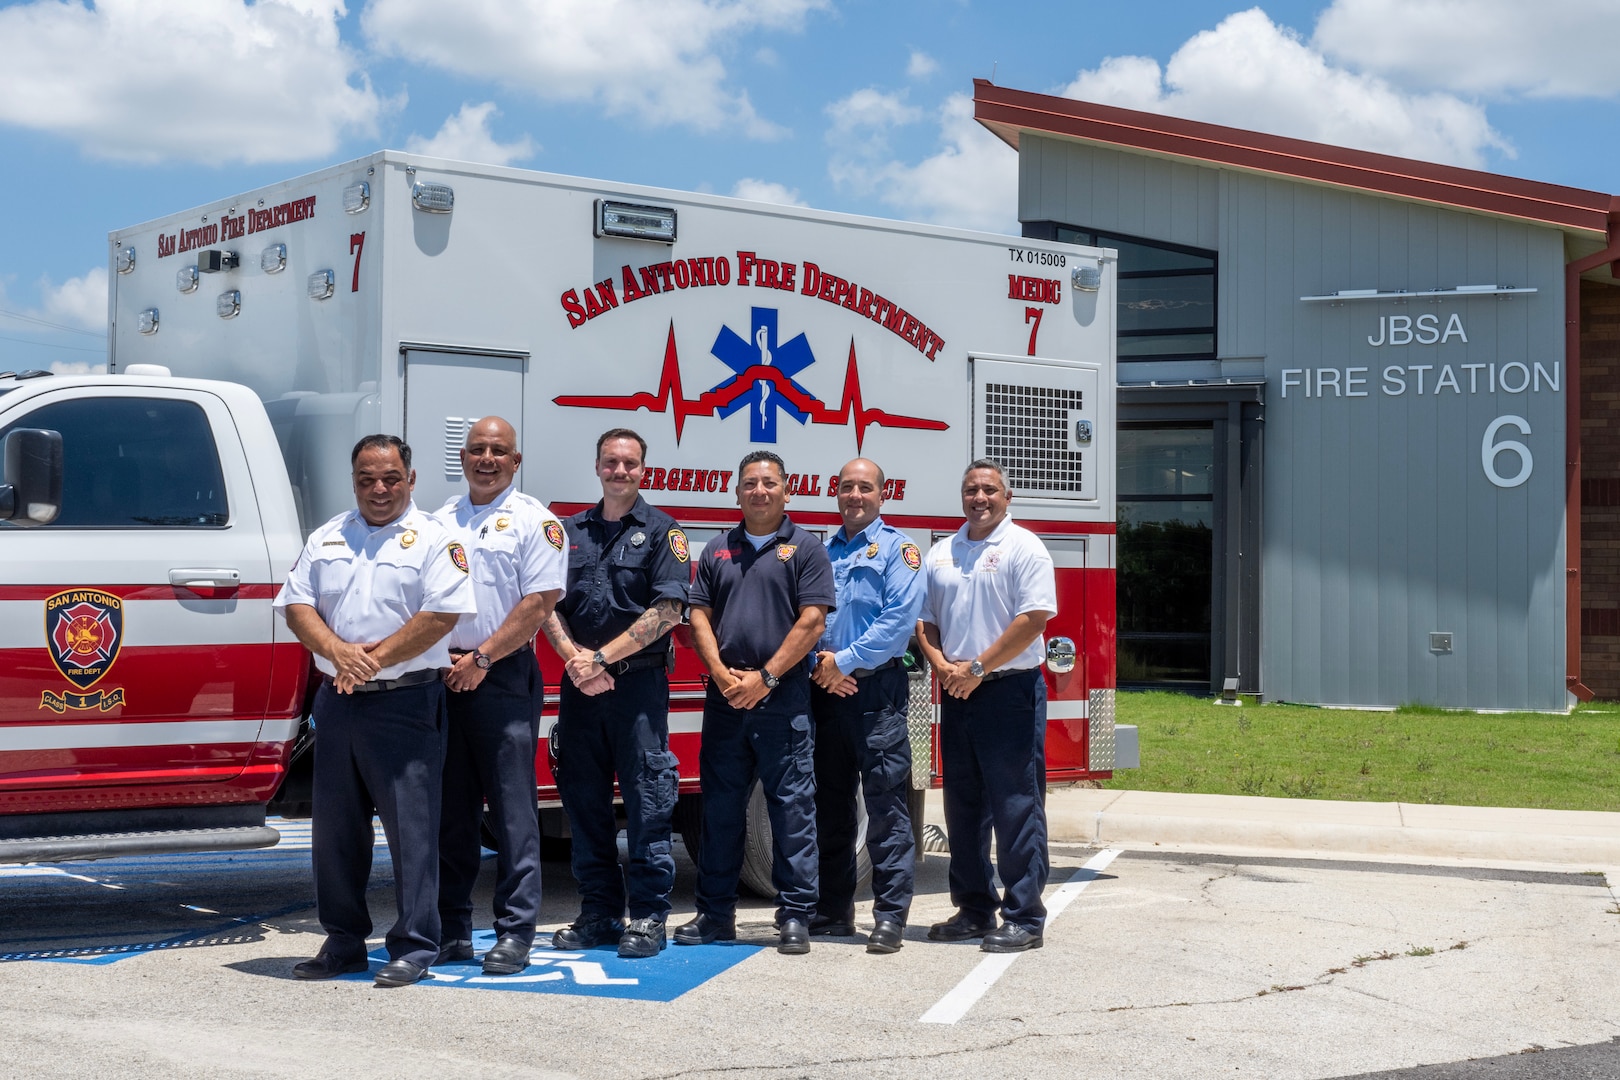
(859, 703)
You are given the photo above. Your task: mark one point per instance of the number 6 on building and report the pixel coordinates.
(1489, 449)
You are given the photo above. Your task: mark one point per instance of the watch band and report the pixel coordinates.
(769, 679)
(481, 660)
(599, 660)
(976, 669)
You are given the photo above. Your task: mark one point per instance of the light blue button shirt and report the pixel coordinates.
(880, 590)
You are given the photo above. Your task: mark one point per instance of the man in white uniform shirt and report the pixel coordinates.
(373, 594)
(519, 569)
(990, 591)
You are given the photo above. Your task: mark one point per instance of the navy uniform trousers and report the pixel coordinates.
(625, 733)
(773, 739)
(864, 737)
(993, 746)
(494, 733)
(382, 753)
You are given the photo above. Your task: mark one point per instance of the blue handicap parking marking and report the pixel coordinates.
(592, 972)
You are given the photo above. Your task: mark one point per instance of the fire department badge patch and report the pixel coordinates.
(911, 555)
(554, 535)
(677, 544)
(785, 552)
(83, 630)
(458, 555)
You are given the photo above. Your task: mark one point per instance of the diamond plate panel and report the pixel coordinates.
(920, 717)
(1102, 730)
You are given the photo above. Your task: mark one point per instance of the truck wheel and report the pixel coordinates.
(757, 858)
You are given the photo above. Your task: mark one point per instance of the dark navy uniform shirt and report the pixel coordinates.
(756, 596)
(619, 569)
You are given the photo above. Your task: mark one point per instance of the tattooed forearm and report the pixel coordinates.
(556, 632)
(655, 622)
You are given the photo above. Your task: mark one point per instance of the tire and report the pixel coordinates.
(757, 855)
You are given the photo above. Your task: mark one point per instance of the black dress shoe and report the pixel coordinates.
(705, 929)
(1011, 938)
(323, 965)
(454, 952)
(832, 926)
(642, 938)
(960, 927)
(508, 956)
(795, 939)
(587, 932)
(886, 937)
(401, 973)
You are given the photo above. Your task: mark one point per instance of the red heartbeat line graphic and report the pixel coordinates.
(706, 404)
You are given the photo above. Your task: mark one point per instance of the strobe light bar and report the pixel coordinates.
(633, 221)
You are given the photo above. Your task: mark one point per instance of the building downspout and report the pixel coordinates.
(1572, 447)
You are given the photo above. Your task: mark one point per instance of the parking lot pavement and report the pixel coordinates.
(1161, 965)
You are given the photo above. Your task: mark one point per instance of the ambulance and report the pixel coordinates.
(414, 295)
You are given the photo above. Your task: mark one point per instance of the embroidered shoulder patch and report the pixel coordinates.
(554, 535)
(911, 555)
(458, 556)
(677, 545)
(785, 552)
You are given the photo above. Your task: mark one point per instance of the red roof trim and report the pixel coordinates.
(1008, 112)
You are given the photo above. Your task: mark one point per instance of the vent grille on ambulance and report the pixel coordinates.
(1026, 429)
(455, 437)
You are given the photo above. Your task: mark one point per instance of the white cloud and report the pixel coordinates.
(872, 110)
(656, 60)
(1250, 73)
(191, 80)
(921, 65)
(466, 137)
(766, 191)
(80, 301)
(971, 182)
(1480, 46)
(77, 367)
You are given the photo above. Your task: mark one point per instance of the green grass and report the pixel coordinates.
(1416, 755)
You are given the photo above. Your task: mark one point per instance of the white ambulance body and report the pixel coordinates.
(413, 295)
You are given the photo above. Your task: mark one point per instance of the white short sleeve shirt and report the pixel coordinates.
(366, 581)
(517, 547)
(976, 588)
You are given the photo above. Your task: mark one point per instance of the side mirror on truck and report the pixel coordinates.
(31, 491)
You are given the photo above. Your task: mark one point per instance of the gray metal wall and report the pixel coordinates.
(1381, 523)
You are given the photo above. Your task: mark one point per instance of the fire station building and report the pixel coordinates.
(1355, 395)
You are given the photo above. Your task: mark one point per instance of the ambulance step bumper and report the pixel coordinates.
(121, 845)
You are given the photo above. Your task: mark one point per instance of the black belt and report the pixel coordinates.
(1004, 673)
(861, 673)
(636, 663)
(410, 678)
(519, 651)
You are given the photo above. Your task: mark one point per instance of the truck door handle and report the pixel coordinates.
(206, 582)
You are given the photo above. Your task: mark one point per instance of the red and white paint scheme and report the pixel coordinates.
(414, 295)
(149, 698)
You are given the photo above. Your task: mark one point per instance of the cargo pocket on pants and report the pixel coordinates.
(888, 748)
(660, 783)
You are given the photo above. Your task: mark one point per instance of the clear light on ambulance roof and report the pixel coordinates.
(147, 322)
(321, 284)
(229, 304)
(635, 222)
(273, 259)
(433, 198)
(185, 279)
(124, 260)
(356, 197)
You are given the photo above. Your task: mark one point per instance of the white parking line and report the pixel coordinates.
(954, 1005)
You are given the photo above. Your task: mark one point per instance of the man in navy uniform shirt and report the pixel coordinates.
(627, 581)
(518, 569)
(372, 596)
(759, 604)
(860, 708)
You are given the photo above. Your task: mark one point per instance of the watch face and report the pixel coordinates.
(482, 661)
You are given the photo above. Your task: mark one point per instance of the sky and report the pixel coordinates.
(119, 111)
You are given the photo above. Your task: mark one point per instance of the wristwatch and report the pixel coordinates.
(599, 660)
(770, 680)
(976, 670)
(480, 661)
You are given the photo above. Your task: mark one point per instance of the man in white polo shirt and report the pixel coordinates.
(991, 590)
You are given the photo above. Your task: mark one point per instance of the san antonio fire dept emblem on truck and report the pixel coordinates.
(84, 629)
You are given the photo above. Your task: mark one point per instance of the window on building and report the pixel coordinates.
(1166, 294)
(134, 462)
